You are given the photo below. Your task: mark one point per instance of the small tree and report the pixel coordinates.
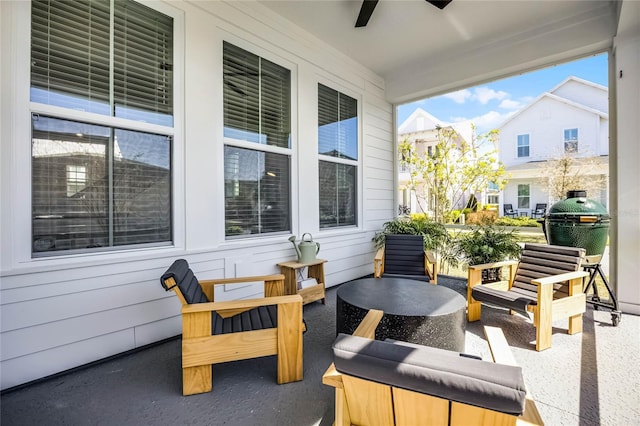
(568, 172)
(442, 177)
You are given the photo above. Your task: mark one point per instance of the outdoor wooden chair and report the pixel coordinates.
(404, 256)
(547, 282)
(539, 211)
(396, 383)
(215, 332)
(509, 211)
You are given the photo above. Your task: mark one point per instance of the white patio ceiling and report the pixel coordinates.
(420, 50)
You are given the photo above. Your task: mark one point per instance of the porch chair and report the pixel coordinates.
(539, 211)
(509, 211)
(396, 383)
(215, 332)
(404, 256)
(547, 281)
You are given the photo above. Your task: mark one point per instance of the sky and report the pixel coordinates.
(489, 104)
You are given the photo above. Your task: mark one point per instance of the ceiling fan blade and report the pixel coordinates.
(365, 12)
(440, 4)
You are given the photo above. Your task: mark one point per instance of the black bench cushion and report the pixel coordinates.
(404, 257)
(537, 261)
(255, 319)
(432, 371)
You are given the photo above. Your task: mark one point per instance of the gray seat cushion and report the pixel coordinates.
(432, 371)
(515, 299)
(255, 319)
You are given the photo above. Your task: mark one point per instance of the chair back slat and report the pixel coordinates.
(541, 260)
(404, 254)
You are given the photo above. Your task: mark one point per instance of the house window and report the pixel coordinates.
(98, 186)
(257, 153)
(523, 196)
(571, 140)
(338, 152)
(76, 179)
(523, 146)
(492, 199)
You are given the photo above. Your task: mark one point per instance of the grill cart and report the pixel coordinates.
(581, 222)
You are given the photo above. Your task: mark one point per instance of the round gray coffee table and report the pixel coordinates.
(414, 311)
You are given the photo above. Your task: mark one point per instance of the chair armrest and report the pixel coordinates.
(378, 263)
(493, 265)
(368, 325)
(241, 304)
(367, 328)
(560, 277)
(501, 354)
(240, 280)
(431, 259)
(500, 350)
(273, 284)
(332, 377)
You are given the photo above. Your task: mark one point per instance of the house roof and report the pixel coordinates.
(581, 81)
(554, 97)
(409, 126)
(535, 168)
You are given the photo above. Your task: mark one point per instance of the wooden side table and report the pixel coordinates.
(315, 270)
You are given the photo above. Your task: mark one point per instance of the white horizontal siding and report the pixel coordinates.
(44, 363)
(62, 312)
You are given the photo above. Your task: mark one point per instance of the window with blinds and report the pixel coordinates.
(95, 186)
(338, 152)
(75, 65)
(257, 98)
(257, 154)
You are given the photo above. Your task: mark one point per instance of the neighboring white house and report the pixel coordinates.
(420, 130)
(572, 117)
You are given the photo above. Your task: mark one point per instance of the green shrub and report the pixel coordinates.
(435, 234)
(523, 221)
(485, 244)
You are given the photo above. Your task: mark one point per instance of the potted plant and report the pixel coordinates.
(436, 237)
(487, 244)
(435, 234)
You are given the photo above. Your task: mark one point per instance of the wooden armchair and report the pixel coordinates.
(404, 256)
(547, 281)
(394, 383)
(215, 332)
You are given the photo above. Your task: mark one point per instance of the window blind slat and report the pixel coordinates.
(70, 45)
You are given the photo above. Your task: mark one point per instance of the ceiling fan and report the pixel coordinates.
(368, 5)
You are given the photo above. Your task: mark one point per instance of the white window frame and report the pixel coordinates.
(571, 141)
(349, 162)
(519, 197)
(20, 246)
(229, 141)
(528, 146)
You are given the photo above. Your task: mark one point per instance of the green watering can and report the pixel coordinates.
(307, 249)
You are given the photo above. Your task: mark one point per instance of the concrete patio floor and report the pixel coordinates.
(591, 378)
